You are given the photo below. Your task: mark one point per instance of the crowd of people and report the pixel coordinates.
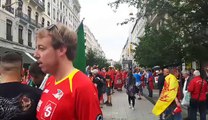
(68, 93)
(181, 89)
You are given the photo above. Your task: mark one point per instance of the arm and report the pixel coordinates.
(191, 86)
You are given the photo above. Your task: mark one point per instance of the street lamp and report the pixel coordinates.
(9, 5)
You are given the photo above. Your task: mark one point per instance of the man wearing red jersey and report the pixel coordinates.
(69, 94)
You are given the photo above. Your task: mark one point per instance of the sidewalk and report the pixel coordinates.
(120, 109)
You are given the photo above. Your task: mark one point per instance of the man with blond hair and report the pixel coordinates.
(69, 94)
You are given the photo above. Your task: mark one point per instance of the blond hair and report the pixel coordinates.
(61, 37)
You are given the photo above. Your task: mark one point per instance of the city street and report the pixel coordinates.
(120, 109)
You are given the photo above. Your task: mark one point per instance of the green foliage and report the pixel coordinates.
(94, 59)
(118, 66)
(183, 36)
(158, 48)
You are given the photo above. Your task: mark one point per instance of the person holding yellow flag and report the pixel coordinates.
(168, 101)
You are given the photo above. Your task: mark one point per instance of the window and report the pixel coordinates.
(57, 16)
(61, 5)
(54, 1)
(9, 30)
(48, 23)
(48, 8)
(54, 12)
(20, 31)
(43, 21)
(29, 13)
(64, 20)
(30, 38)
(36, 18)
(61, 18)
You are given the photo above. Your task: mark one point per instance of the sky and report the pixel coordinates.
(102, 22)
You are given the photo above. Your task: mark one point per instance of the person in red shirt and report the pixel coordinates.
(198, 89)
(118, 80)
(68, 94)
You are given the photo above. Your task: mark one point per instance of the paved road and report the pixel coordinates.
(120, 109)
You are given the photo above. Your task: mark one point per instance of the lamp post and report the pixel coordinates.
(9, 5)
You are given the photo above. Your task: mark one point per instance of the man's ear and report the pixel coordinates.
(62, 51)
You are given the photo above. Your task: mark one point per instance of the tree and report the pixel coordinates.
(94, 59)
(117, 65)
(186, 28)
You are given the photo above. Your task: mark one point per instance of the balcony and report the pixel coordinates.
(9, 37)
(10, 9)
(39, 4)
(24, 18)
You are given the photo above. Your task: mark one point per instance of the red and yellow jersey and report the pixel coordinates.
(72, 98)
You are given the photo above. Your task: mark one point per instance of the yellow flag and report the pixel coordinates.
(167, 96)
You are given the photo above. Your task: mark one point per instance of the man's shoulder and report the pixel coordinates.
(81, 78)
(32, 90)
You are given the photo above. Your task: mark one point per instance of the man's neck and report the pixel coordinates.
(63, 70)
(7, 79)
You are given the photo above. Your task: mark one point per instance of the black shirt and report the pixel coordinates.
(18, 101)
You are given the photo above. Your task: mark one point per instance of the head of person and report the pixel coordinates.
(94, 72)
(11, 65)
(55, 44)
(196, 73)
(166, 71)
(36, 73)
(175, 72)
(185, 73)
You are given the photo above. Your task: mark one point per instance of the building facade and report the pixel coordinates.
(20, 19)
(92, 42)
(137, 31)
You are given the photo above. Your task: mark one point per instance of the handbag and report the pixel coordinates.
(186, 99)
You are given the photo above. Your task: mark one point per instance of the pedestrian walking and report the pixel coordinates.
(137, 76)
(69, 94)
(17, 101)
(168, 101)
(130, 90)
(187, 79)
(198, 89)
(150, 84)
(108, 90)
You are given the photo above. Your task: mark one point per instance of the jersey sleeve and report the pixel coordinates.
(87, 103)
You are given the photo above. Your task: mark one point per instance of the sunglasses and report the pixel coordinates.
(54, 28)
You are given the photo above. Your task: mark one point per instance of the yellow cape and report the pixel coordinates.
(167, 96)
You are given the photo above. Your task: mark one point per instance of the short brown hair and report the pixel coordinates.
(61, 37)
(11, 60)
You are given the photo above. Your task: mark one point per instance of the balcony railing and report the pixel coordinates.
(10, 9)
(39, 3)
(26, 18)
(22, 16)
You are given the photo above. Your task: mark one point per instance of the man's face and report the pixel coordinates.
(165, 72)
(46, 55)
